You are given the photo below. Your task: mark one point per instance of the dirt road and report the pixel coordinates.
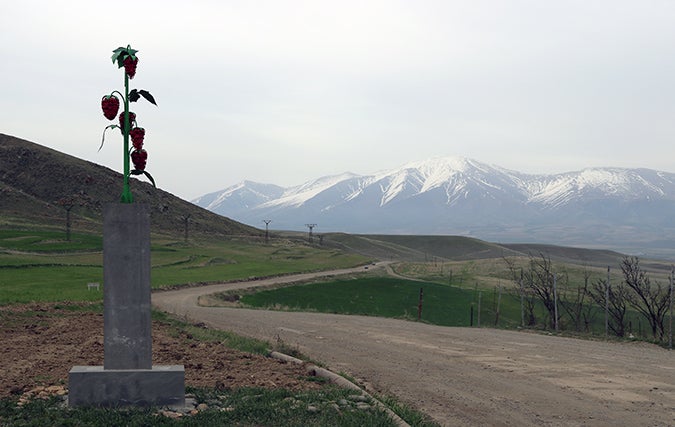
(467, 376)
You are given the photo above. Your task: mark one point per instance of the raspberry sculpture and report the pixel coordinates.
(110, 105)
(132, 120)
(126, 58)
(137, 135)
(130, 64)
(139, 157)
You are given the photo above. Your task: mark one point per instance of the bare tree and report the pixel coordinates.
(615, 298)
(573, 301)
(540, 277)
(529, 303)
(537, 284)
(650, 299)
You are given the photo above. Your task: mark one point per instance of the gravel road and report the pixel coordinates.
(465, 376)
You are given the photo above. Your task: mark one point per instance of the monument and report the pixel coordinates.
(127, 376)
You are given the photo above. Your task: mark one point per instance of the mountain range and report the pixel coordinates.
(618, 208)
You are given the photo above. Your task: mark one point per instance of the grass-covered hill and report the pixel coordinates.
(459, 248)
(419, 248)
(34, 178)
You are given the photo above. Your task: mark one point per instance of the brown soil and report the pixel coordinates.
(41, 342)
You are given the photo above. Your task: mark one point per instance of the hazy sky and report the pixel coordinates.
(286, 91)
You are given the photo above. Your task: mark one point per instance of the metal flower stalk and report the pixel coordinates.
(126, 58)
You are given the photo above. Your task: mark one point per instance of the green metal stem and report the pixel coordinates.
(126, 193)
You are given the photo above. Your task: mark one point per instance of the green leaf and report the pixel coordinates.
(119, 54)
(103, 138)
(116, 53)
(137, 172)
(145, 94)
(134, 95)
(150, 178)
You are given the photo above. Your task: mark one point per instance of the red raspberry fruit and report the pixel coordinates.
(139, 158)
(110, 105)
(130, 66)
(132, 119)
(137, 135)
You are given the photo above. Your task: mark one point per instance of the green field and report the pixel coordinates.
(43, 266)
(48, 241)
(390, 297)
(442, 304)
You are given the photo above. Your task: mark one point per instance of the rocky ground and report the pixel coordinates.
(41, 342)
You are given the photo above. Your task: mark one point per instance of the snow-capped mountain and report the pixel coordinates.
(599, 207)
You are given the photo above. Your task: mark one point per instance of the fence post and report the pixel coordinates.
(555, 299)
(670, 339)
(419, 305)
(499, 302)
(480, 293)
(522, 303)
(607, 306)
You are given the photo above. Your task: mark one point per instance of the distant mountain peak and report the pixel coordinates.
(458, 195)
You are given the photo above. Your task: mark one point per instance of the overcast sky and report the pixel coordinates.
(286, 91)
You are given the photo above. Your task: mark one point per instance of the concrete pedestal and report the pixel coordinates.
(96, 386)
(127, 376)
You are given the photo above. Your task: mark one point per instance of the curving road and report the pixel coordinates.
(465, 376)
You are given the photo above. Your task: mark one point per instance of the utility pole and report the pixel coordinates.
(68, 204)
(186, 222)
(311, 227)
(267, 229)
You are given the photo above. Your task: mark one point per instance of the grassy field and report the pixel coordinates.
(390, 297)
(442, 303)
(43, 266)
(48, 241)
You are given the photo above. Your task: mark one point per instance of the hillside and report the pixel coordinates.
(33, 179)
(459, 248)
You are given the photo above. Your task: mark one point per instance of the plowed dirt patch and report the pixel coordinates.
(42, 342)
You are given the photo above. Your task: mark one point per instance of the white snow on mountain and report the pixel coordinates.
(296, 196)
(459, 177)
(453, 194)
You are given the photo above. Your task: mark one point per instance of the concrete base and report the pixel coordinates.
(127, 324)
(162, 385)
